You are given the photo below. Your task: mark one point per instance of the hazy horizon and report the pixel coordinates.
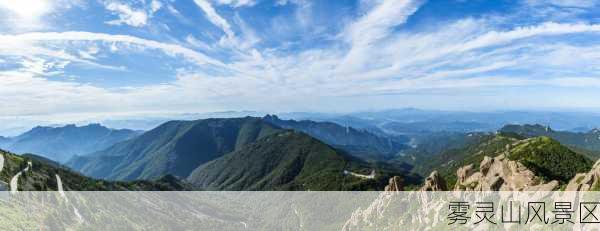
(16, 125)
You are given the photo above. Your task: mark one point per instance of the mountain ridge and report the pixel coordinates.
(358, 142)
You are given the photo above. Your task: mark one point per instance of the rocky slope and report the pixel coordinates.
(501, 174)
(533, 164)
(589, 181)
(434, 182)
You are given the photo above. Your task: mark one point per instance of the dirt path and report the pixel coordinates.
(370, 176)
(60, 186)
(14, 182)
(1, 162)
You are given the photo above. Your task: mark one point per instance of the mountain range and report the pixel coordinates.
(269, 153)
(247, 153)
(61, 143)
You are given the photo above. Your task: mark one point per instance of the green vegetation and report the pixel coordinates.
(176, 148)
(42, 177)
(587, 143)
(449, 161)
(286, 161)
(546, 157)
(549, 159)
(356, 142)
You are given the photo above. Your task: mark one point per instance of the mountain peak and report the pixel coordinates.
(270, 117)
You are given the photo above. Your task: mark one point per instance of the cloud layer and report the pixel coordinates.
(231, 55)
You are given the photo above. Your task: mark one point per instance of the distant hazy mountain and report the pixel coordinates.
(414, 121)
(61, 143)
(4, 141)
(417, 128)
(175, 147)
(288, 160)
(589, 140)
(360, 143)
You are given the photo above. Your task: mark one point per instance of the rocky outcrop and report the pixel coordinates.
(500, 174)
(585, 181)
(395, 184)
(434, 182)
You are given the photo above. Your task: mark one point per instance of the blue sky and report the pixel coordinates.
(119, 57)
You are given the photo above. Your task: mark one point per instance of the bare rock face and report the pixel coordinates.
(434, 182)
(585, 181)
(500, 174)
(395, 184)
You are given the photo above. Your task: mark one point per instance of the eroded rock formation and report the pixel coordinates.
(585, 181)
(434, 182)
(500, 174)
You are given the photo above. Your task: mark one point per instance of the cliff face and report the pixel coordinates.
(505, 164)
(501, 174)
(434, 182)
(586, 181)
(395, 184)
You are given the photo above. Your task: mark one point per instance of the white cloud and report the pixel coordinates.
(28, 9)
(155, 5)
(458, 60)
(240, 44)
(564, 3)
(237, 3)
(171, 49)
(375, 25)
(379, 22)
(127, 14)
(214, 17)
(190, 39)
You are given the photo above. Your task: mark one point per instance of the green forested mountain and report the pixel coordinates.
(235, 154)
(549, 159)
(288, 160)
(176, 147)
(42, 176)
